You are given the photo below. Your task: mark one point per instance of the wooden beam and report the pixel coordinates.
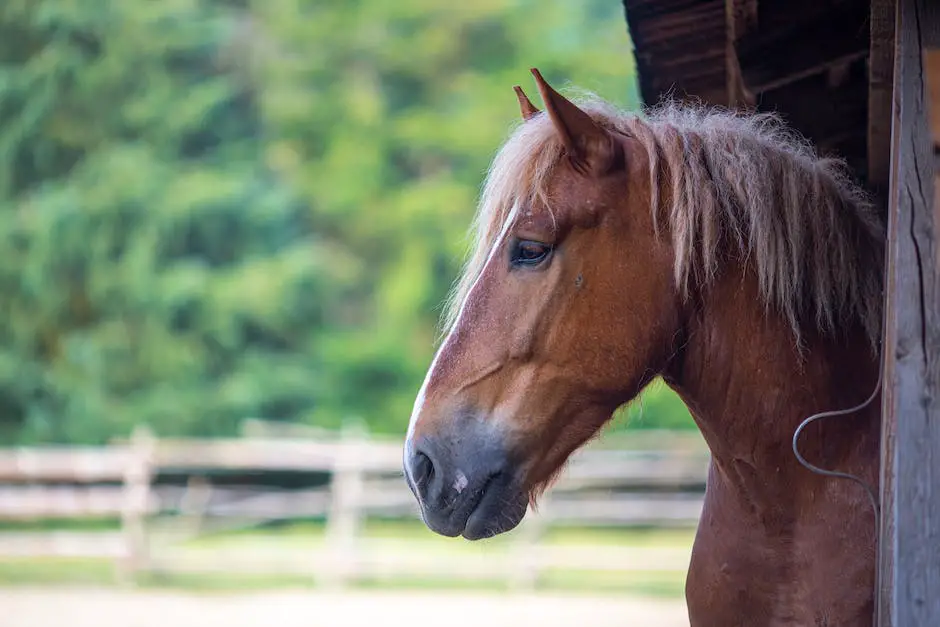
(932, 79)
(821, 112)
(909, 550)
(781, 52)
(739, 16)
(880, 84)
(765, 79)
(679, 48)
(932, 76)
(771, 60)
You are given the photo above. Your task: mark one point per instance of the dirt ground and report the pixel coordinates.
(80, 607)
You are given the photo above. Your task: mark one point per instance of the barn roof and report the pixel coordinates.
(806, 59)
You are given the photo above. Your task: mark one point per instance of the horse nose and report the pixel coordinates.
(437, 472)
(462, 479)
(422, 474)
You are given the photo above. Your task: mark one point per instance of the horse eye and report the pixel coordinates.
(529, 253)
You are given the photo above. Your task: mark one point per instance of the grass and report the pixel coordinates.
(101, 573)
(312, 534)
(61, 524)
(44, 571)
(309, 536)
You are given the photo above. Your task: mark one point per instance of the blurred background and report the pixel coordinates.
(228, 228)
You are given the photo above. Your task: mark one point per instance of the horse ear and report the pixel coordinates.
(590, 147)
(528, 109)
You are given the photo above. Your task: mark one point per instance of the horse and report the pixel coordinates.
(711, 248)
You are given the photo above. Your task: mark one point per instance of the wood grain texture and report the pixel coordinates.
(910, 550)
(880, 84)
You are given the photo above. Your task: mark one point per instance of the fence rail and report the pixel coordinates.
(360, 478)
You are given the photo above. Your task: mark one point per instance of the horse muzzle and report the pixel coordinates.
(464, 481)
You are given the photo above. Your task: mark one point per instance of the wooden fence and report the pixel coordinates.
(356, 478)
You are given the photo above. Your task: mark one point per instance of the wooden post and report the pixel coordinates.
(525, 576)
(194, 503)
(909, 548)
(137, 478)
(344, 514)
(932, 77)
(880, 83)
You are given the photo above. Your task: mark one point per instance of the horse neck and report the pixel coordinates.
(749, 388)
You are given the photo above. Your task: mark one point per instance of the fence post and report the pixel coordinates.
(194, 503)
(525, 575)
(343, 516)
(137, 476)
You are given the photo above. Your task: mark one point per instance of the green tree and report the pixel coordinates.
(215, 210)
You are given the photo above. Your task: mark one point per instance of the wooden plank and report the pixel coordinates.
(656, 510)
(381, 560)
(932, 76)
(880, 86)
(580, 505)
(770, 60)
(909, 564)
(932, 79)
(134, 510)
(636, 471)
(743, 16)
(683, 462)
(680, 48)
(820, 112)
(736, 24)
(273, 454)
(887, 532)
(62, 544)
(37, 502)
(79, 464)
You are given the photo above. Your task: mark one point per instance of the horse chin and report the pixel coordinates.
(501, 509)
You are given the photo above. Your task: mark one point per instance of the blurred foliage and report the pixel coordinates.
(224, 209)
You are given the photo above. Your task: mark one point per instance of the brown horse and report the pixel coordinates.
(715, 250)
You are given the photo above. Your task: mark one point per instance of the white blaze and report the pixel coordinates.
(419, 399)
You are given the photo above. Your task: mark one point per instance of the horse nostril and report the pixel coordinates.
(422, 472)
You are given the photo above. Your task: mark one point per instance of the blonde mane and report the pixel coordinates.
(720, 178)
